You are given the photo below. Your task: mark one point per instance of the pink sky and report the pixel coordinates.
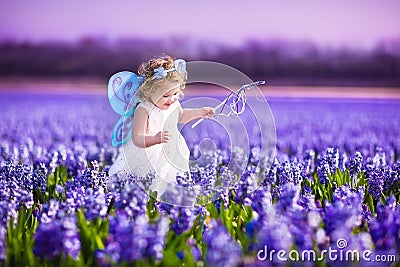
(355, 23)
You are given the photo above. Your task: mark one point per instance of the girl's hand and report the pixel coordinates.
(207, 112)
(162, 137)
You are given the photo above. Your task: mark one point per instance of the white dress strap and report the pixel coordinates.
(146, 105)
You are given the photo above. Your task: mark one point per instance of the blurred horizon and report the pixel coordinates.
(282, 62)
(336, 43)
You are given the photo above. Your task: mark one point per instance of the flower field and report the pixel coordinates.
(333, 188)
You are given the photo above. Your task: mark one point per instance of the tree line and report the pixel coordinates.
(278, 61)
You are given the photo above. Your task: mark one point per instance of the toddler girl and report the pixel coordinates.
(156, 145)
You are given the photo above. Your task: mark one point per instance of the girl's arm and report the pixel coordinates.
(139, 136)
(189, 114)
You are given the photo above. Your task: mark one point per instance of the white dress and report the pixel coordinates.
(165, 160)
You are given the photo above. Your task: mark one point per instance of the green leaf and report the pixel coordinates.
(188, 260)
(19, 239)
(370, 202)
(213, 210)
(92, 235)
(170, 259)
(151, 210)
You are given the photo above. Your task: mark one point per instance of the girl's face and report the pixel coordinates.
(166, 99)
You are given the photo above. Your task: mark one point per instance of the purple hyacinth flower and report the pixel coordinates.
(323, 170)
(354, 165)
(57, 237)
(3, 234)
(375, 183)
(288, 198)
(385, 228)
(182, 219)
(345, 211)
(222, 250)
(132, 240)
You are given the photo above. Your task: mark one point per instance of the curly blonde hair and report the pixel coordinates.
(150, 86)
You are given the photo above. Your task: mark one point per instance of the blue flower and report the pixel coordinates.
(159, 73)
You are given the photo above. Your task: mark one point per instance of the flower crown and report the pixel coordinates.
(179, 66)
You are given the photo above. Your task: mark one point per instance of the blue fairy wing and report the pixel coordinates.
(122, 87)
(180, 66)
(122, 131)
